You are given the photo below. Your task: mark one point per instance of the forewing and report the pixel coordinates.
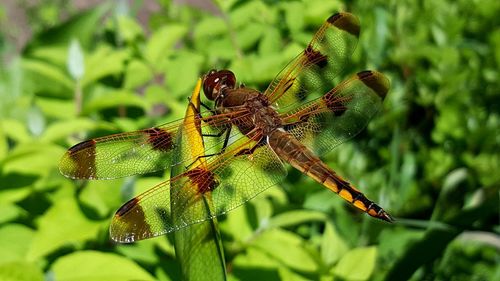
(138, 152)
(340, 114)
(312, 72)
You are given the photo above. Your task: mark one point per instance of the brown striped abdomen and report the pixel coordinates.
(300, 157)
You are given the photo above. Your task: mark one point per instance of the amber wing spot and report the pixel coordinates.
(376, 81)
(127, 207)
(203, 179)
(315, 57)
(345, 21)
(159, 139)
(83, 155)
(129, 223)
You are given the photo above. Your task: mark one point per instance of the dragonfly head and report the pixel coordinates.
(216, 80)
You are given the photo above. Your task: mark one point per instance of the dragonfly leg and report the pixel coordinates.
(224, 145)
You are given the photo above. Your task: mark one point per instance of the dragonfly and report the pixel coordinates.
(248, 137)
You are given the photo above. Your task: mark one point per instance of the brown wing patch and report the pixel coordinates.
(130, 223)
(315, 57)
(83, 160)
(374, 81)
(336, 103)
(345, 22)
(203, 179)
(159, 139)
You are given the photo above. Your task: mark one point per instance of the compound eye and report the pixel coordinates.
(215, 80)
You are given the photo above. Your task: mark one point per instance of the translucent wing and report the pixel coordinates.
(230, 180)
(340, 114)
(138, 152)
(312, 72)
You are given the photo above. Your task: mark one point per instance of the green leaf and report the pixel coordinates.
(254, 260)
(137, 74)
(76, 68)
(57, 55)
(56, 108)
(287, 248)
(129, 29)
(15, 130)
(143, 252)
(295, 217)
(105, 61)
(294, 16)
(10, 212)
(36, 154)
(162, 41)
(333, 247)
(289, 275)
(93, 265)
(249, 35)
(82, 26)
(3, 142)
(209, 27)
(270, 44)
(115, 99)
(20, 271)
(48, 72)
(15, 240)
(36, 121)
(184, 71)
(436, 239)
(63, 224)
(15, 187)
(103, 196)
(357, 264)
(317, 11)
(60, 130)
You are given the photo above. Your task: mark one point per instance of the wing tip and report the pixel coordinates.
(81, 146)
(375, 80)
(346, 21)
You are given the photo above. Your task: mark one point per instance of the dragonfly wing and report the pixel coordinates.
(340, 114)
(229, 180)
(142, 151)
(312, 72)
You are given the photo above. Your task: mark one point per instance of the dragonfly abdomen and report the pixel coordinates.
(300, 157)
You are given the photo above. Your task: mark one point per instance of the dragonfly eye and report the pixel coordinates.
(215, 81)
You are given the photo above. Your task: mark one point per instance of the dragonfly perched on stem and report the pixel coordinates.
(249, 136)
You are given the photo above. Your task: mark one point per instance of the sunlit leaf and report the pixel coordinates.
(10, 212)
(115, 99)
(63, 224)
(20, 271)
(129, 29)
(162, 41)
(333, 247)
(15, 240)
(93, 265)
(103, 62)
(63, 129)
(357, 264)
(287, 248)
(296, 217)
(137, 74)
(36, 154)
(48, 71)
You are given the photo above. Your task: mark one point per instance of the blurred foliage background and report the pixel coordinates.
(72, 70)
